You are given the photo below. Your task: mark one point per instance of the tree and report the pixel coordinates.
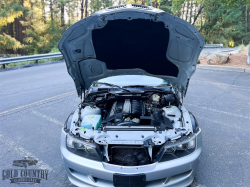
(43, 5)
(166, 5)
(82, 8)
(12, 15)
(96, 5)
(9, 43)
(222, 24)
(236, 3)
(86, 8)
(62, 4)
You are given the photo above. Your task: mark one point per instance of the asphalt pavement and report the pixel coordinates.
(35, 102)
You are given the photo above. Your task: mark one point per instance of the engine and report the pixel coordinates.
(125, 111)
(132, 112)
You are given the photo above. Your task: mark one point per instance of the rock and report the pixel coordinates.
(203, 55)
(217, 58)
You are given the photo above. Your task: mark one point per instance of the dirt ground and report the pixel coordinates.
(235, 60)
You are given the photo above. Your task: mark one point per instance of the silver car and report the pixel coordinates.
(131, 65)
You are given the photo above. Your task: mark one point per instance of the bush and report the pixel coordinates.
(243, 47)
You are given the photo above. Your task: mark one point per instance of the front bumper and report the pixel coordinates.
(177, 172)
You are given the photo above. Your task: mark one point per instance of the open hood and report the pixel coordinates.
(131, 40)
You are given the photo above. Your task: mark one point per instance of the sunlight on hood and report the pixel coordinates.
(125, 80)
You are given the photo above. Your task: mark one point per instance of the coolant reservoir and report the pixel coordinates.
(91, 121)
(171, 112)
(88, 110)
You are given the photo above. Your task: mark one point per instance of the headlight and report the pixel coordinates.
(189, 145)
(181, 147)
(83, 148)
(184, 146)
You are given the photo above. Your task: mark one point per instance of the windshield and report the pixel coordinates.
(129, 80)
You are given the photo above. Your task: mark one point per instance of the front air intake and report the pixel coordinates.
(129, 156)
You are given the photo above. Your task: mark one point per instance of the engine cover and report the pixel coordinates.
(125, 108)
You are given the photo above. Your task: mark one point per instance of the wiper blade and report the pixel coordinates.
(113, 85)
(138, 86)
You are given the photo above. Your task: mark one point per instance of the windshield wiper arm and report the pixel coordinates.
(113, 85)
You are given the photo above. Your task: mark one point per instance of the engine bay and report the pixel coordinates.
(132, 112)
(131, 128)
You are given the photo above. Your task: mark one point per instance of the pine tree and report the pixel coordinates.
(12, 14)
(166, 5)
(222, 24)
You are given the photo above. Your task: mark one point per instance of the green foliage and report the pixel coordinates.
(9, 11)
(54, 50)
(40, 34)
(243, 47)
(177, 4)
(223, 25)
(222, 21)
(96, 5)
(166, 5)
(235, 3)
(7, 42)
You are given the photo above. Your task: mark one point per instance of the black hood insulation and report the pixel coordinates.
(123, 43)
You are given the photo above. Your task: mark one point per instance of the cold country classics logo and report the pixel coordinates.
(24, 176)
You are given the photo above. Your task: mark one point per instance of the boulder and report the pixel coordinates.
(217, 58)
(203, 55)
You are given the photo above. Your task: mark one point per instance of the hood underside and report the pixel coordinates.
(131, 40)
